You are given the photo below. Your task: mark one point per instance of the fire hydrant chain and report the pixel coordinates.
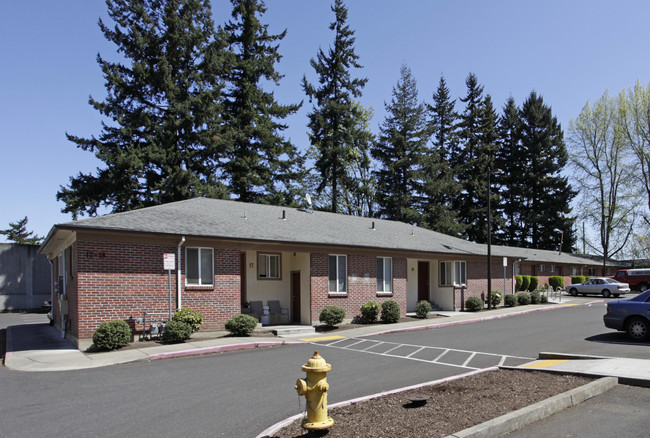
(315, 388)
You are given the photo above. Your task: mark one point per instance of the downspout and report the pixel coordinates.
(178, 274)
(513, 274)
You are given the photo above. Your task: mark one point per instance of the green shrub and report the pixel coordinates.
(422, 309)
(189, 316)
(523, 298)
(331, 316)
(556, 281)
(496, 298)
(577, 279)
(519, 280)
(390, 312)
(241, 325)
(544, 299)
(473, 304)
(510, 300)
(534, 281)
(369, 312)
(535, 297)
(176, 331)
(111, 335)
(525, 282)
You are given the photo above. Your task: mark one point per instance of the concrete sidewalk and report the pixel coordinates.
(39, 347)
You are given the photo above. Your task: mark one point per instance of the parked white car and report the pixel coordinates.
(600, 286)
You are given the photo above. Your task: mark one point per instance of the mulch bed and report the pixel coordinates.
(451, 407)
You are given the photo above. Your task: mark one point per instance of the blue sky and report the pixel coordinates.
(570, 52)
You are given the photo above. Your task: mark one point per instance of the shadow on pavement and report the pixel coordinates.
(36, 337)
(615, 338)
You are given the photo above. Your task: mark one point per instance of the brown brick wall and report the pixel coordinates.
(121, 280)
(360, 289)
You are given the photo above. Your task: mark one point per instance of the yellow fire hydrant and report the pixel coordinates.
(315, 388)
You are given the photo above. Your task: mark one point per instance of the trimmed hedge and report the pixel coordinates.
(331, 316)
(510, 300)
(473, 304)
(176, 331)
(496, 296)
(523, 298)
(111, 335)
(390, 312)
(577, 279)
(189, 316)
(535, 297)
(369, 312)
(525, 282)
(556, 281)
(534, 282)
(422, 309)
(241, 325)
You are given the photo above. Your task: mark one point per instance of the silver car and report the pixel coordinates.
(601, 286)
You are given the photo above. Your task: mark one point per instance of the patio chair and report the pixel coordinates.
(278, 312)
(257, 310)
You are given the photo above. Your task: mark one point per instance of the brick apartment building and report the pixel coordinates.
(216, 256)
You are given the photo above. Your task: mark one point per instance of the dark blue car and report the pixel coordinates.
(631, 315)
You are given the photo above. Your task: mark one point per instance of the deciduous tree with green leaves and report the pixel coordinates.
(161, 139)
(262, 166)
(334, 118)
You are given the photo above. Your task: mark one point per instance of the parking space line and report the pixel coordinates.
(376, 343)
(469, 358)
(416, 351)
(440, 355)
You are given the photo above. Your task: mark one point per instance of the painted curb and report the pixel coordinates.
(515, 420)
(220, 349)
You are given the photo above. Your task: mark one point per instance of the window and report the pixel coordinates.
(338, 274)
(459, 273)
(199, 266)
(552, 268)
(573, 271)
(592, 272)
(268, 266)
(542, 268)
(384, 275)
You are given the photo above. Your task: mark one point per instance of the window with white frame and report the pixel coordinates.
(338, 273)
(199, 266)
(592, 272)
(552, 268)
(384, 275)
(542, 268)
(453, 273)
(573, 271)
(268, 266)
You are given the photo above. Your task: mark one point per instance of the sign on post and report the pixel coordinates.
(169, 261)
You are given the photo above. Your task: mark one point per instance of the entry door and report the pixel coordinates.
(423, 281)
(295, 297)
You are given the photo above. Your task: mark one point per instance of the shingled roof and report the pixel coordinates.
(233, 220)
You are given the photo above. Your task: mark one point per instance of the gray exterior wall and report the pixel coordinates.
(24, 277)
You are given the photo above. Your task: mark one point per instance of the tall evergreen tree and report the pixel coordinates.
(335, 116)
(478, 147)
(440, 187)
(548, 194)
(511, 181)
(17, 232)
(262, 166)
(399, 151)
(161, 141)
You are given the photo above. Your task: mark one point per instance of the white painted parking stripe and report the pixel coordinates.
(469, 358)
(418, 348)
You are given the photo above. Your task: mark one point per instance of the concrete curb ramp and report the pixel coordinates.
(516, 420)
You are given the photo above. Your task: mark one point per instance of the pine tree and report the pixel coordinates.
(511, 181)
(440, 187)
(17, 232)
(478, 147)
(335, 116)
(262, 166)
(161, 141)
(399, 151)
(547, 198)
